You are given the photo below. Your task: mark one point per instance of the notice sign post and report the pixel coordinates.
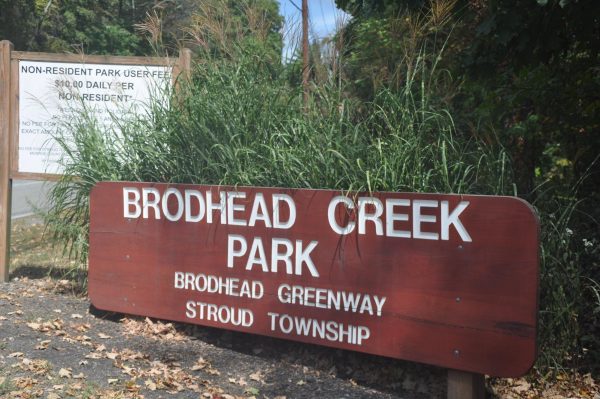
(449, 280)
(42, 92)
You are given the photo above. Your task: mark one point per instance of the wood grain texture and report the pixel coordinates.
(92, 59)
(5, 133)
(35, 176)
(14, 117)
(464, 385)
(183, 65)
(468, 306)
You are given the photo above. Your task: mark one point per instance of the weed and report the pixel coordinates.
(6, 386)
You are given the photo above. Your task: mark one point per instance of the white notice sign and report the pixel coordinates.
(50, 91)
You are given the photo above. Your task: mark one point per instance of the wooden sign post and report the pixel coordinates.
(5, 134)
(449, 280)
(37, 89)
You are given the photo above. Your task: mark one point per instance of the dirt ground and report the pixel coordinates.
(53, 344)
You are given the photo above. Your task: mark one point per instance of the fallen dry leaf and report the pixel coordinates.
(150, 385)
(43, 345)
(34, 326)
(24, 382)
(64, 373)
(256, 376)
(200, 364)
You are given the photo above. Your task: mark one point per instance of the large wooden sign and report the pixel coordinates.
(450, 280)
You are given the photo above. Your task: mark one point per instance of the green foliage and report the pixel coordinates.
(17, 22)
(95, 27)
(372, 8)
(382, 49)
(74, 24)
(115, 26)
(230, 29)
(529, 32)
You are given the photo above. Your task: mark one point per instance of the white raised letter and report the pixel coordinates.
(210, 207)
(276, 256)
(259, 214)
(231, 252)
(391, 217)
(277, 223)
(452, 218)
(232, 207)
(146, 191)
(127, 202)
(165, 204)
(257, 249)
(363, 216)
(178, 279)
(331, 215)
(188, 206)
(191, 311)
(304, 257)
(418, 219)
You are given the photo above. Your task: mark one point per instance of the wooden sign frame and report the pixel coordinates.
(9, 119)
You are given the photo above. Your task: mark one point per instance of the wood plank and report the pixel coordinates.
(14, 111)
(5, 133)
(184, 64)
(464, 385)
(92, 59)
(465, 305)
(35, 176)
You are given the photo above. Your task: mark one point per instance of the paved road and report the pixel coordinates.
(27, 196)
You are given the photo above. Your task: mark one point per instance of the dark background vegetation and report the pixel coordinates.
(477, 96)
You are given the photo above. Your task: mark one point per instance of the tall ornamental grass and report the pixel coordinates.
(238, 123)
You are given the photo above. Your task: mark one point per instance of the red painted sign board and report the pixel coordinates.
(449, 280)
